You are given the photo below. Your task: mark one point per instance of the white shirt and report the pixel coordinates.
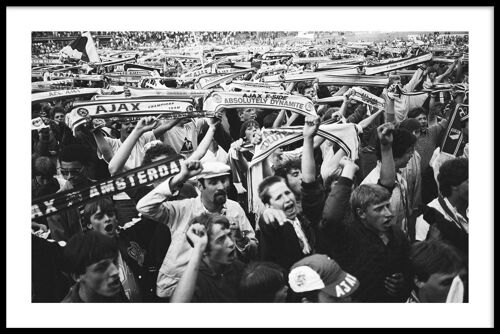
(178, 216)
(183, 139)
(135, 158)
(221, 156)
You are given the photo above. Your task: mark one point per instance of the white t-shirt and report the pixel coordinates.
(137, 153)
(221, 156)
(183, 139)
(135, 158)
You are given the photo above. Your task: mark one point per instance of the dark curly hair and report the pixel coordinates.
(156, 151)
(76, 152)
(402, 141)
(452, 173)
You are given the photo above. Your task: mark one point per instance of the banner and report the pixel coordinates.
(63, 94)
(345, 135)
(194, 74)
(453, 140)
(295, 103)
(272, 69)
(253, 87)
(168, 92)
(83, 77)
(129, 66)
(131, 73)
(211, 82)
(53, 84)
(375, 69)
(443, 60)
(307, 60)
(103, 109)
(353, 80)
(55, 203)
(365, 97)
(116, 62)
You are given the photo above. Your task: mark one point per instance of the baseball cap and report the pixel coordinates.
(319, 272)
(213, 169)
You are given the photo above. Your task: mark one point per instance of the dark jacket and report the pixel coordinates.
(280, 244)
(448, 231)
(218, 288)
(360, 251)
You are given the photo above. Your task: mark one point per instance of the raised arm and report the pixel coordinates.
(388, 169)
(184, 291)
(102, 145)
(279, 120)
(164, 127)
(450, 69)
(311, 126)
(416, 78)
(390, 113)
(120, 158)
(153, 205)
(203, 146)
(367, 121)
(337, 202)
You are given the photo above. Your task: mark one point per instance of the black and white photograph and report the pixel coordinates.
(217, 173)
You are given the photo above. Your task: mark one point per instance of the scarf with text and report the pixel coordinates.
(55, 203)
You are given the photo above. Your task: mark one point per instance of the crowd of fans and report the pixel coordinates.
(388, 226)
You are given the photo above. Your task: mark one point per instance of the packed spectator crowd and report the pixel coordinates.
(383, 219)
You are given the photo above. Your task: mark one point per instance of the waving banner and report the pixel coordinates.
(345, 135)
(206, 83)
(55, 203)
(353, 80)
(375, 69)
(307, 60)
(83, 77)
(194, 74)
(365, 97)
(64, 94)
(116, 62)
(53, 84)
(125, 107)
(168, 92)
(295, 103)
(253, 87)
(272, 69)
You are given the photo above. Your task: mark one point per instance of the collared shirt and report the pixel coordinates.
(177, 215)
(306, 248)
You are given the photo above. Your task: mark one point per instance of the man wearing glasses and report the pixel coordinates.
(73, 161)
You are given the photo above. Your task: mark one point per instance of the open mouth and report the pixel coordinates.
(115, 284)
(109, 228)
(290, 208)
